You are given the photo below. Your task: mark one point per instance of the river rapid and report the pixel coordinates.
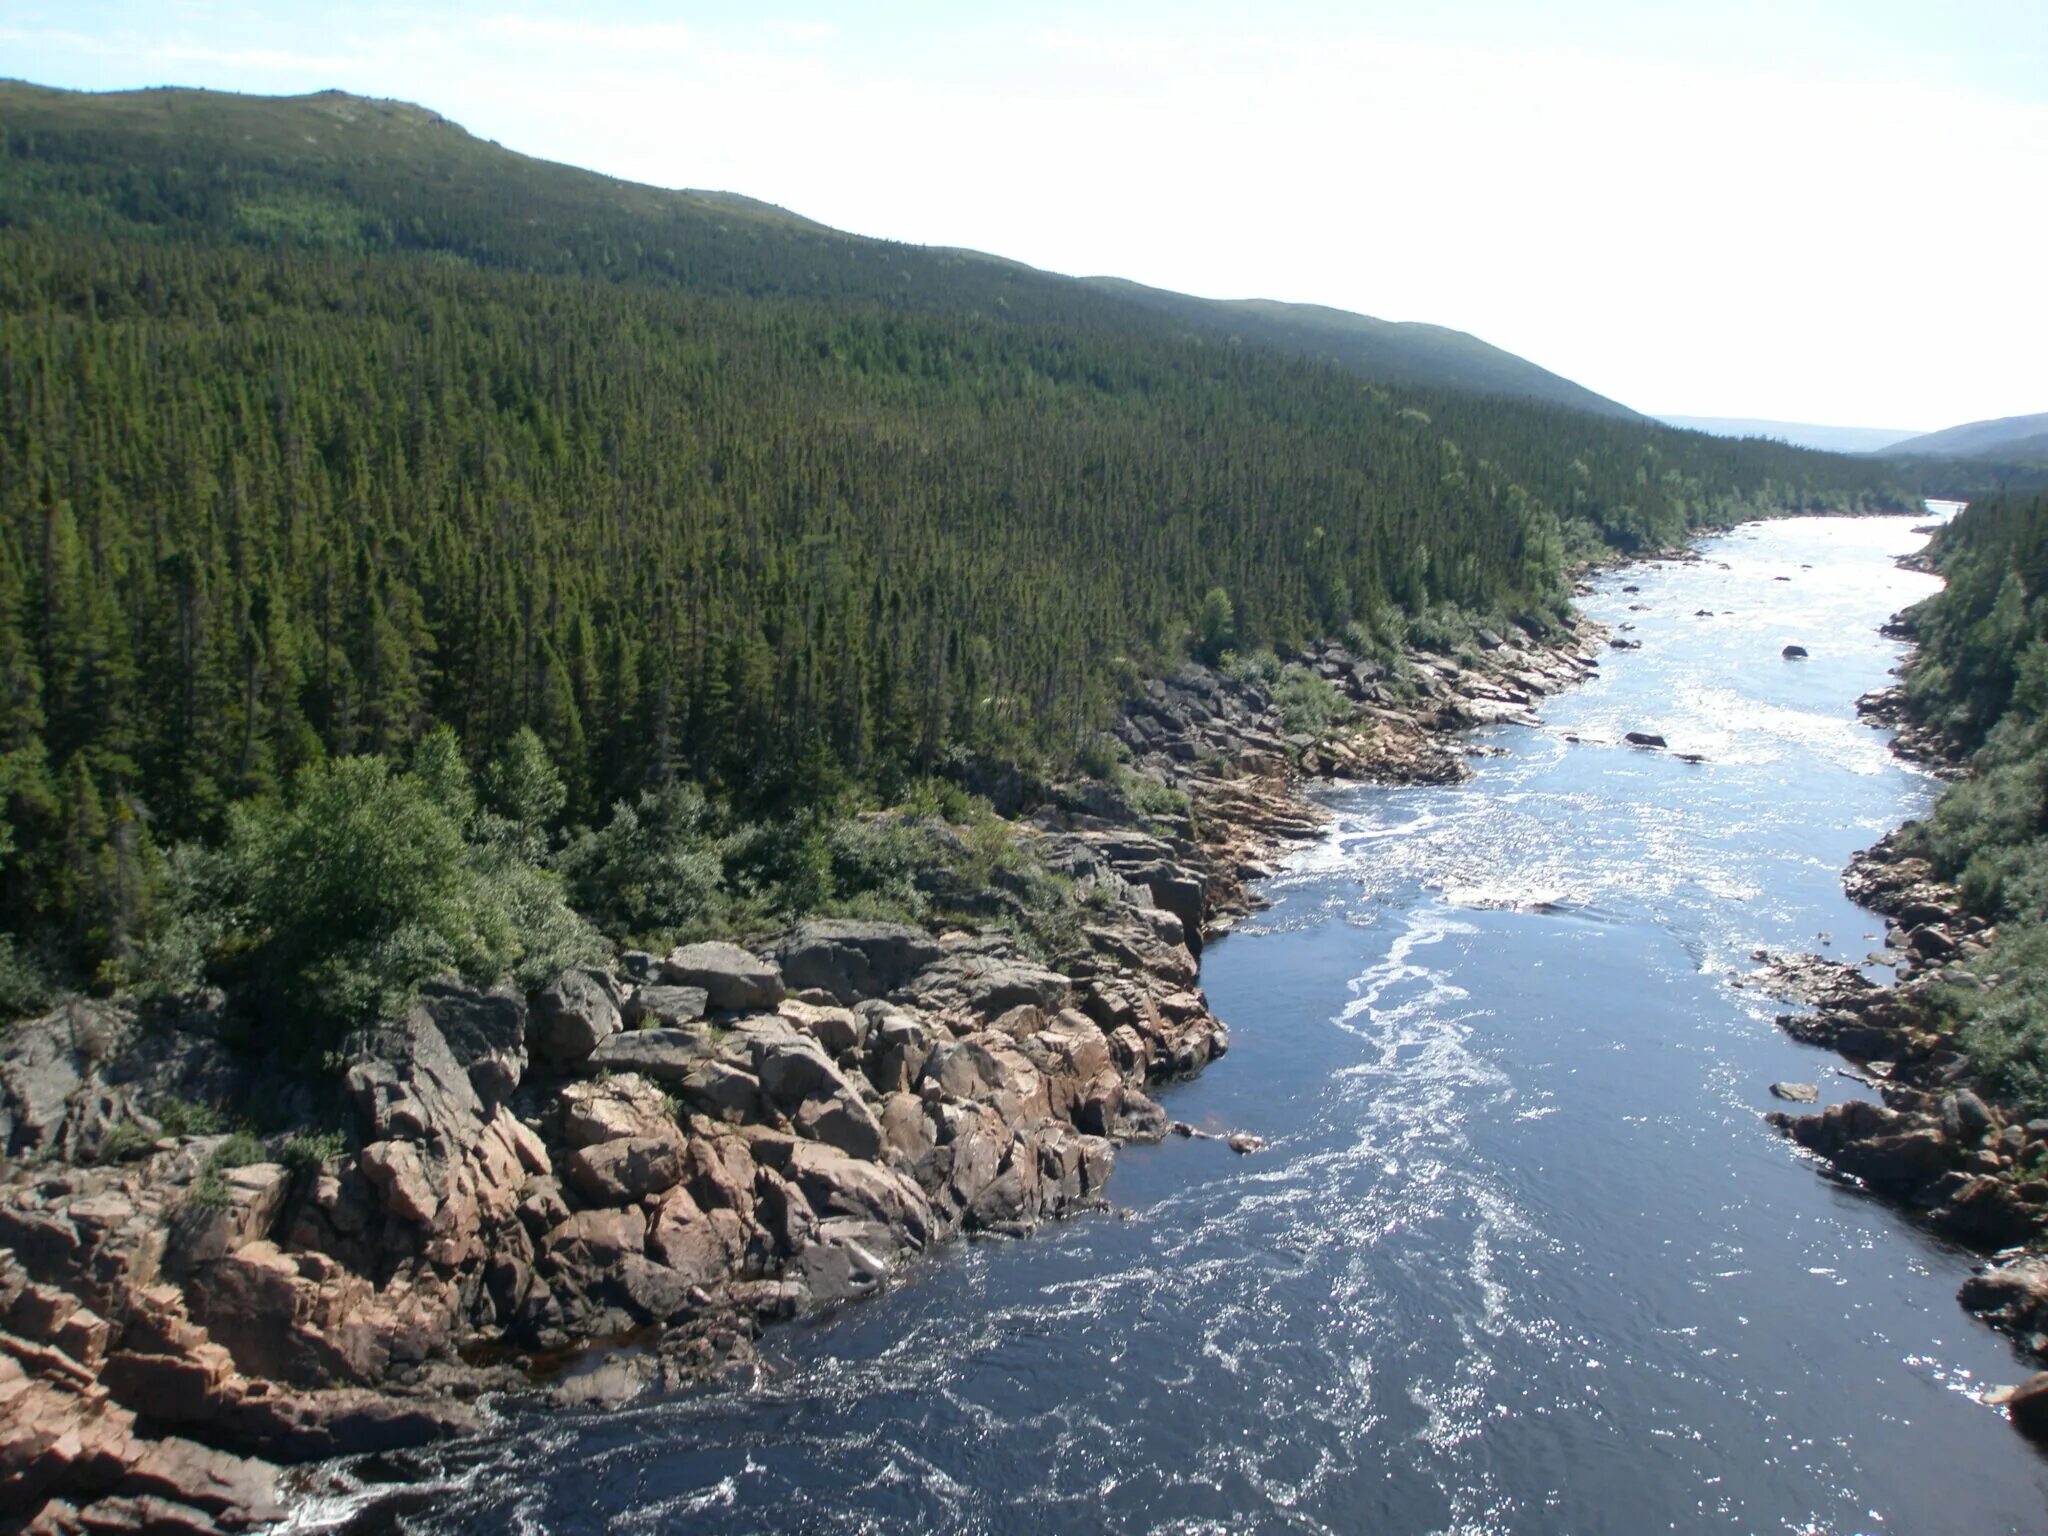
(1522, 1255)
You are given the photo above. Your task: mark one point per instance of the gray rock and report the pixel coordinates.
(626, 1171)
(1793, 652)
(485, 1031)
(666, 1055)
(1797, 1093)
(854, 960)
(1644, 739)
(848, 1259)
(46, 1064)
(723, 1091)
(664, 1006)
(843, 1121)
(794, 1069)
(1965, 1117)
(1930, 943)
(571, 1016)
(733, 978)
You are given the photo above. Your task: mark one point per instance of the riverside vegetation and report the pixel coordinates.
(1959, 1048)
(577, 757)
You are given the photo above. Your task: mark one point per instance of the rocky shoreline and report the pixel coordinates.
(1960, 1163)
(618, 1181)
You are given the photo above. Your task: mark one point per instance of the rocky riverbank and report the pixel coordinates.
(1936, 1144)
(618, 1180)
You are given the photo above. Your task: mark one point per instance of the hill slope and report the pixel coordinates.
(2008, 438)
(1801, 434)
(1397, 352)
(323, 424)
(354, 172)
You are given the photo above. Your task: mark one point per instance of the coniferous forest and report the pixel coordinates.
(327, 431)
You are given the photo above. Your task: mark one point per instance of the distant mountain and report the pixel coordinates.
(1394, 351)
(1801, 434)
(2009, 438)
(342, 171)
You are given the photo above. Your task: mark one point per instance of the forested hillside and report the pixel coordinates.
(2009, 439)
(1982, 675)
(323, 426)
(1403, 353)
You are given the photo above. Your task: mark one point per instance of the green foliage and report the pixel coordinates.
(305, 1152)
(124, 1142)
(24, 989)
(239, 1150)
(348, 895)
(182, 1117)
(1983, 674)
(1216, 627)
(2004, 1026)
(1307, 702)
(1260, 666)
(328, 427)
(526, 791)
(209, 1192)
(653, 873)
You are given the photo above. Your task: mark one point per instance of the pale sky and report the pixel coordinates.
(1810, 210)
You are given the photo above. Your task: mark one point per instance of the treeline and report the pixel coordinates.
(1982, 675)
(279, 488)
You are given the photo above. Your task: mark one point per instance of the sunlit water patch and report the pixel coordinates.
(1521, 1257)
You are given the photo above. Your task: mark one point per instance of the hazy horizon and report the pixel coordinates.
(1708, 215)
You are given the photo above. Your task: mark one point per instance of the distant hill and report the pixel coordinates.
(2009, 438)
(1393, 351)
(1801, 434)
(348, 171)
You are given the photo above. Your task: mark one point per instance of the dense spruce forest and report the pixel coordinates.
(356, 472)
(1982, 675)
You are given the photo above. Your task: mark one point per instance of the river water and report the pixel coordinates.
(1522, 1257)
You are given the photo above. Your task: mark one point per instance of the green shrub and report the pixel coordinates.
(124, 1141)
(1307, 702)
(182, 1117)
(1260, 666)
(653, 871)
(363, 885)
(239, 1150)
(306, 1151)
(24, 989)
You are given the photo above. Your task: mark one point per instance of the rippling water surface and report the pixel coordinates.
(1522, 1257)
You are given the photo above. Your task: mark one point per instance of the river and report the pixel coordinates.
(1522, 1256)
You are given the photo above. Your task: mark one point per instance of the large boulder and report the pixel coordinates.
(731, 978)
(664, 1007)
(854, 960)
(626, 1171)
(485, 1032)
(614, 1109)
(572, 1015)
(49, 1068)
(666, 1055)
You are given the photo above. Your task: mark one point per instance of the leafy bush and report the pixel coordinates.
(182, 1117)
(1260, 666)
(305, 1152)
(24, 989)
(361, 886)
(239, 1150)
(654, 871)
(124, 1141)
(1307, 702)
